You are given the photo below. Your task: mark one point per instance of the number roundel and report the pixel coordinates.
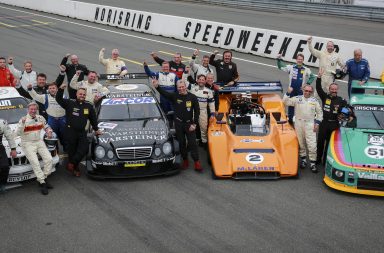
(375, 152)
(254, 158)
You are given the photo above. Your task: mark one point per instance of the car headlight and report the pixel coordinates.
(99, 152)
(110, 154)
(339, 173)
(167, 148)
(157, 151)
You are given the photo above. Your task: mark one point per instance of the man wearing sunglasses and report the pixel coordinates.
(308, 118)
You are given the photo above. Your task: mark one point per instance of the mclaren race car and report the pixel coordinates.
(136, 139)
(250, 138)
(355, 158)
(12, 108)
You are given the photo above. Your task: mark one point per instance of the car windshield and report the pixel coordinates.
(12, 109)
(370, 117)
(118, 109)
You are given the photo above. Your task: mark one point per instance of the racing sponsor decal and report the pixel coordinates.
(107, 125)
(374, 139)
(133, 134)
(124, 18)
(131, 100)
(375, 152)
(217, 133)
(369, 108)
(251, 141)
(256, 168)
(6, 104)
(254, 158)
(371, 176)
(126, 87)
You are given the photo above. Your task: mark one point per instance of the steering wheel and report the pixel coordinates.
(258, 108)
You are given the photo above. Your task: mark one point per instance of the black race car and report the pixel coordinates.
(136, 139)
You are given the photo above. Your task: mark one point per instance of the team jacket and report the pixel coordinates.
(226, 72)
(113, 66)
(331, 105)
(8, 133)
(77, 113)
(358, 70)
(6, 78)
(178, 69)
(93, 89)
(167, 81)
(25, 77)
(327, 61)
(30, 130)
(298, 75)
(307, 109)
(205, 98)
(71, 69)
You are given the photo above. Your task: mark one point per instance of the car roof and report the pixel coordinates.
(9, 92)
(129, 90)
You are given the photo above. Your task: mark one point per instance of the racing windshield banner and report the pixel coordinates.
(257, 41)
(126, 101)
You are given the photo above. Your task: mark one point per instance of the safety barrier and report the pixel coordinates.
(257, 41)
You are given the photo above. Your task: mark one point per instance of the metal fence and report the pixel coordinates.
(349, 11)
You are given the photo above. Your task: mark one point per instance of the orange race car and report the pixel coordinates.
(250, 138)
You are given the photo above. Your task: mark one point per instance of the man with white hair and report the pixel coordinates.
(27, 76)
(71, 69)
(357, 68)
(328, 61)
(29, 129)
(113, 65)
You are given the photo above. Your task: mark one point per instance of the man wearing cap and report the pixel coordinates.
(29, 129)
(4, 165)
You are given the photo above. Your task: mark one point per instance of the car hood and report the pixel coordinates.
(359, 148)
(133, 133)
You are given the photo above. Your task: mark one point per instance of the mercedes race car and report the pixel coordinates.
(136, 139)
(250, 138)
(12, 108)
(355, 158)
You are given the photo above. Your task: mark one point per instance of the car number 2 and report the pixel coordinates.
(375, 152)
(254, 158)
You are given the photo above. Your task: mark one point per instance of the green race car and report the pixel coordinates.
(355, 158)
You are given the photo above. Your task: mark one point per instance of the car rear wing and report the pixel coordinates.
(253, 87)
(129, 76)
(368, 85)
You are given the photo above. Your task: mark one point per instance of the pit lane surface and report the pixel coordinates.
(188, 212)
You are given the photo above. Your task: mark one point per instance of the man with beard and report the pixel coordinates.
(332, 105)
(27, 76)
(226, 70)
(175, 66)
(6, 77)
(70, 70)
(77, 113)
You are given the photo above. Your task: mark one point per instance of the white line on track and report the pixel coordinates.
(135, 36)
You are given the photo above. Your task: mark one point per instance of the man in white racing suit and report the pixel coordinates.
(26, 76)
(200, 69)
(308, 118)
(205, 98)
(113, 65)
(328, 60)
(95, 90)
(29, 129)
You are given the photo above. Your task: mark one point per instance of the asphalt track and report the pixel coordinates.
(188, 212)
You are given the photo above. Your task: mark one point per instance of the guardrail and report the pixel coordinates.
(349, 11)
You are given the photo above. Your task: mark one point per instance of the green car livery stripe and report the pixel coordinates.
(338, 152)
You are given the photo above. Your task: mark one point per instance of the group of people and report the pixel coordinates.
(190, 91)
(317, 111)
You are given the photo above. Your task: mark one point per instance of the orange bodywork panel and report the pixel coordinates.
(268, 155)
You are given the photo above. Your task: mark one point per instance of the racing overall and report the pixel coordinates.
(24, 76)
(205, 98)
(331, 109)
(113, 67)
(299, 75)
(92, 89)
(308, 113)
(357, 71)
(32, 144)
(199, 69)
(177, 69)
(4, 165)
(328, 62)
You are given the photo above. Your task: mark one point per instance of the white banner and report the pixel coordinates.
(257, 41)
(369, 3)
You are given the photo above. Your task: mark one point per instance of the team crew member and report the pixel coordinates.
(357, 69)
(175, 66)
(27, 76)
(41, 88)
(299, 75)
(29, 130)
(205, 98)
(167, 82)
(200, 69)
(95, 90)
(186, 107)
(210, 84)
(308, 117)
(4, 165)
(328, 60)
(226, 70)
(70, 70)
(113, 65)
(6, 77)
(56, 113)
(77, 112)
(332, 105)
